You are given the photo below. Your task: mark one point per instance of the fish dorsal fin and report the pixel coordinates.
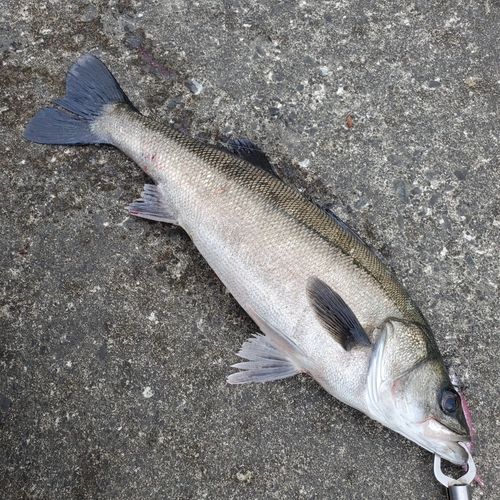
(343, 224)
(247, 150)
(335, 315)
(250, 152)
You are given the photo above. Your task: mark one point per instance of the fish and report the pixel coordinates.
(324, 302)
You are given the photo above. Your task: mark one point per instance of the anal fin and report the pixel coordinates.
(153, 205)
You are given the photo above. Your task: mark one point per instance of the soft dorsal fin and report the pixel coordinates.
(335, 315)
(247, 150)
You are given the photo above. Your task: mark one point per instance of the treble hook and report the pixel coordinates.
(456, 489)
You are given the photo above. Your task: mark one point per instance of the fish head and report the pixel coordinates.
(409, 390)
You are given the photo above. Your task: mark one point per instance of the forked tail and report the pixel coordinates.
(89, 87)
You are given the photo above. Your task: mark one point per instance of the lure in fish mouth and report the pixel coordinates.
(324, 302)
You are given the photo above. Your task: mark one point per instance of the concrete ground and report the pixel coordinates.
(116, 336)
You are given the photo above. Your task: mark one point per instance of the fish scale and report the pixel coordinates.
(206, 171)
(325, 304)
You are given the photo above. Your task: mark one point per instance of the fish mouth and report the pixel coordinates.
(437, 439)
(445, 441)
(453, 453)
(435, 428)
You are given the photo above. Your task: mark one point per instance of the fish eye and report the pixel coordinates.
(450, 401)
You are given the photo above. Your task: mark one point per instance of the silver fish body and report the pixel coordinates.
(326, 304)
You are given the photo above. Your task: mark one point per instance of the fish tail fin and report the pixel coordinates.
(89, 87)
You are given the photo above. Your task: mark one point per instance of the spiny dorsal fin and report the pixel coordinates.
(343, 224)
(335, 315)
(246, 149)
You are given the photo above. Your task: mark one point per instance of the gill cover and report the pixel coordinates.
(409, 390)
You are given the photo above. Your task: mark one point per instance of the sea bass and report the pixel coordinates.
(324, 302)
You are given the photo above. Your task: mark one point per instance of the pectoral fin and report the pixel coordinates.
(272, 356)
(335, 315)
(153, 205)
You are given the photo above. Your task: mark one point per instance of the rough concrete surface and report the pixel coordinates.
(116, 336)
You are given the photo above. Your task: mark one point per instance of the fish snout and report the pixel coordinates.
(446, 441)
